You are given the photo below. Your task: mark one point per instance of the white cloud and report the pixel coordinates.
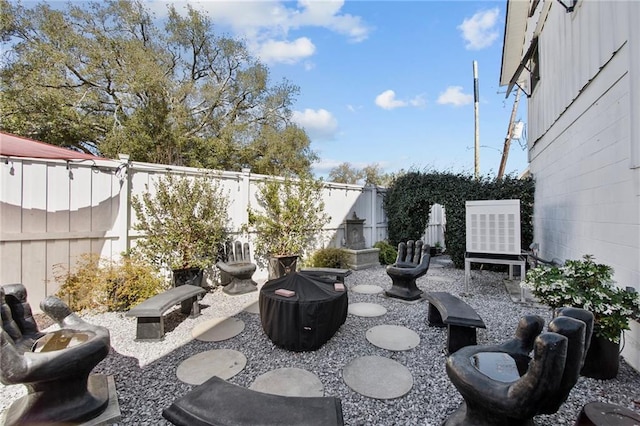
(387, 100)
(418, 101)
(265, 24)
(480, 31)
(286, 52)
(454, 96)
(319, 124)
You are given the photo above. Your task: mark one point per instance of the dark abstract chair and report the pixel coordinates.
(239, 268)
(412, 263)
(502, 385)
(54, 366)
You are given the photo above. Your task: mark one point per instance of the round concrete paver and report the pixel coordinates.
(253, 308)
(224, 363)
(217, 329)
(440, 279)
(393, 337)
(289, 382)
(367, 309)
(367, 289)
(377, 377)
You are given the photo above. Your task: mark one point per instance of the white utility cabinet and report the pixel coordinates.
(493, 226)
(493, 235)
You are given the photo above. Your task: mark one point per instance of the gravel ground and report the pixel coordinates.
(145, 373)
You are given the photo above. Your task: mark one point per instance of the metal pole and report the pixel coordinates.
(507, 140)
(476, 162)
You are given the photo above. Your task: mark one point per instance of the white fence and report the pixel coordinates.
(434, 234)
(52, 211)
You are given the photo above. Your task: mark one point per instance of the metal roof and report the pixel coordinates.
(18, 146)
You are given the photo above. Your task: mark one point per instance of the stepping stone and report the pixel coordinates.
(440, 279)
(435, 265)
(217, 329)
(367, 309)
(377, 377)
(224, 363)
(289, 382)
(367, 289)
(393, 337)
(253, 308)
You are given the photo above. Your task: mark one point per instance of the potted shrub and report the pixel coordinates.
(185, 222)
(290, 217)
(588, 285)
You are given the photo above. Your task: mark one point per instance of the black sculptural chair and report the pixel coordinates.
(240, 268)
(412, 263)
(53, 366)
(502, 385)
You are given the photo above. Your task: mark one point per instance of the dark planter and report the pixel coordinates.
(602, 360)
(280, 266)
(192, 276)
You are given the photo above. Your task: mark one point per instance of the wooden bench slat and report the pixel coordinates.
(158, 304)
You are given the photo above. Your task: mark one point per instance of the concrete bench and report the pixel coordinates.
(339, 274)
(461, 320)
(150, 313)
(218, 402)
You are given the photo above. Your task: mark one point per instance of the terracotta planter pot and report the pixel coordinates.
(280, 266)
(603, 359)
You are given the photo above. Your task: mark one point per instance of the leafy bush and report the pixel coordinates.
(100, 284)
(185, 222)
(290, 217)
(408, 203)
(329, 257)
(388, 253)
(587, 285)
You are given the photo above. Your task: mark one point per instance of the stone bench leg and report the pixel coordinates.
(190, 307)
(459, 337)
(433, 317)
(150, 328)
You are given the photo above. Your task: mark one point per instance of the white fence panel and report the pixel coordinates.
(53, 211)
(436, 226)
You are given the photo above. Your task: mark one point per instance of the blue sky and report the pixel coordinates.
(385, 82)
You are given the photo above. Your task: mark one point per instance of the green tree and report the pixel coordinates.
(106, 78)
(371, 174)
(345, 173)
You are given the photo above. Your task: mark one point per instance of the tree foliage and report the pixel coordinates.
(371, 174)
(409, 199)
(290, 217)
(104, 77)
(184, 220)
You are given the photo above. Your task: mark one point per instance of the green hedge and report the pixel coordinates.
(409, 199)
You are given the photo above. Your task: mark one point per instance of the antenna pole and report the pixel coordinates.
(476, 162)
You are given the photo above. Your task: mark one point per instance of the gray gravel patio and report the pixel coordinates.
(145, 373)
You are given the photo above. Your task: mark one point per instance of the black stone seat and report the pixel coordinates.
(461, 320)
(412, 263)
(150, 313)
(218, 402)
(55, 366)
(240, 268)
(502, 385)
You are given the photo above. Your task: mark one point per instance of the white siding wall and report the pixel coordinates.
(583, 145)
